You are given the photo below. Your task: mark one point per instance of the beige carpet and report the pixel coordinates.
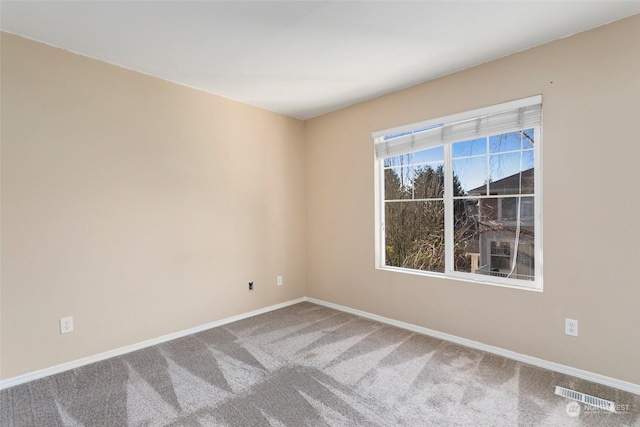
(307, 365)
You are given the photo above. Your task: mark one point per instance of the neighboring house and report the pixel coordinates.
(496, 250)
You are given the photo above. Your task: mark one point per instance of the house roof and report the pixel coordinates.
(508, 185)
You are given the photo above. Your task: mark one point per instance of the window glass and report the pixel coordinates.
(473, 147)
(465, 208)
(414, 235)
(471, 174)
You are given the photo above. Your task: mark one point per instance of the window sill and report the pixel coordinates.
(462, 277)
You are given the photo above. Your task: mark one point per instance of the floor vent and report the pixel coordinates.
(586, 399)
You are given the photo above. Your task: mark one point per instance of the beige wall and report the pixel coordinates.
(143, 208)
(591, 99)
(137, 206)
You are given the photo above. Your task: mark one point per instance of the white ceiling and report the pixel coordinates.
(302, 58)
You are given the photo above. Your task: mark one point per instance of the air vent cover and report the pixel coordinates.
(586, 399)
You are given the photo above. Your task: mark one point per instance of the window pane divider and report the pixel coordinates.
(490, 196)
(440, 199)
(448, 211)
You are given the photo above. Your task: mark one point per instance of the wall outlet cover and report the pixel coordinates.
(571, 327)
(66, 325)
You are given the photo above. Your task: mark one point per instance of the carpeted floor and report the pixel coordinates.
(307, 365)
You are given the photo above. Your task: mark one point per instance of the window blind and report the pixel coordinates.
(508, 117)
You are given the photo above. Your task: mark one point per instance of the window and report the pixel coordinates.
(459, 196)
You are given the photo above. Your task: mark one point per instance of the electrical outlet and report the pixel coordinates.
(250, 286)
(279, 280)
(571, 327)
(66, 325)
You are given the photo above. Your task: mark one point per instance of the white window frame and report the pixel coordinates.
(450, 273)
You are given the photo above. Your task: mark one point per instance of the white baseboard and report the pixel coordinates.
(563, 369)
(10, 382)
(552, 366)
